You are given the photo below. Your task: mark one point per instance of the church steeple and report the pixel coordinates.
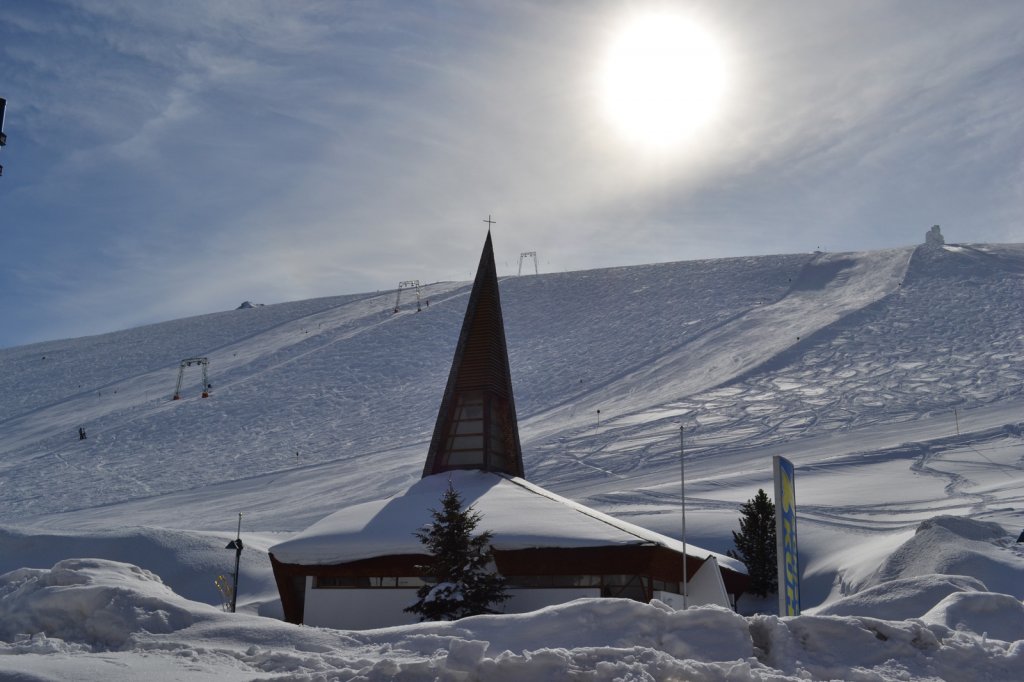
(476, 426)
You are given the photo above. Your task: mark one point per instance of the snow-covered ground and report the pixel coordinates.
(893, 380)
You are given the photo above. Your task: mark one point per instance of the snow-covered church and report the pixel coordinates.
(356, 568)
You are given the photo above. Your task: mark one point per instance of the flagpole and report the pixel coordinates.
(682, 481)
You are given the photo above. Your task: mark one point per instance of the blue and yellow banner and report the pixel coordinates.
(785, 537)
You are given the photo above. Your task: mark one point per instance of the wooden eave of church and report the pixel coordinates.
(480, 366)
(654, 561)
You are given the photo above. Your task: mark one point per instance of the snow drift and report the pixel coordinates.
(51, 619)
(90, 601)
(957, 546)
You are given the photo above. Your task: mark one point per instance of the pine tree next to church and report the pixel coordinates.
(755, 544)
(463, 582)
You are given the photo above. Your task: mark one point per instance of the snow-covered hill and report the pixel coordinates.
(893, 379)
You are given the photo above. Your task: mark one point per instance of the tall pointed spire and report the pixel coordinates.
(476, 426)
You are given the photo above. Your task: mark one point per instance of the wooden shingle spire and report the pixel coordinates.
(476, 426)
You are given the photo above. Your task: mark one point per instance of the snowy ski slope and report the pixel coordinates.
(787, 351)
(893, 379)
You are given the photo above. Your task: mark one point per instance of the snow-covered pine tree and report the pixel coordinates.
(463, 582)
(755, 544)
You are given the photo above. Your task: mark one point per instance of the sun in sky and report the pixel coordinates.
(663, 78)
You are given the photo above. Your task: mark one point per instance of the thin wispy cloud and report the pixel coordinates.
(173, 159)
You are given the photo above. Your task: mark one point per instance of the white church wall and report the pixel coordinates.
(363, 609)
(356, 609)
(671, 598)
(676, 600)
(530, 599)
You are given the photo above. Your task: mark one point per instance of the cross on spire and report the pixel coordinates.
(489, 222)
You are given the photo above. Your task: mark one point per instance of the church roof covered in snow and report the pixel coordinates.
(519, 514)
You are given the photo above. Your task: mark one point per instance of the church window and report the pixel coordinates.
(466, 437)
(364, 582)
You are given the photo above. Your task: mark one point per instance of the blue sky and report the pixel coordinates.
(174, 159)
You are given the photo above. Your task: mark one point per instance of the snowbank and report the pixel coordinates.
(95, 602)
(956, 545)
(102, 620)
(829, 647)
(902, 598)
(993, 615)
(187, 561)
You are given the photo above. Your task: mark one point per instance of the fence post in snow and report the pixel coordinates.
(682, 480)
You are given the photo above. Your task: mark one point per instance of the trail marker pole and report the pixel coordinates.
(3, 135)
(236, 545)
(682, 481)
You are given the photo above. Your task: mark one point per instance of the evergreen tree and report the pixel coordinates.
(755, 544)
(460, 567)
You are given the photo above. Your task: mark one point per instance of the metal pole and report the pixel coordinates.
(682, 480)
(238, 556)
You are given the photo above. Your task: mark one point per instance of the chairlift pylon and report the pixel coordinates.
(188, 362)
(408, 284)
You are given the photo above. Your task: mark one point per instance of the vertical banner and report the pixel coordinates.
(785, 537)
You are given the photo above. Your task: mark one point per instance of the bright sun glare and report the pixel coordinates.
(663, 78)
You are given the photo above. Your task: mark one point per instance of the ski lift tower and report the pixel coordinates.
(188, 362)
(528, 254)
(409, 284)
(3, 135)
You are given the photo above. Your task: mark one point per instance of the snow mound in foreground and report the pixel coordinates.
(993, 615)
(90, 601)
(830, 647)
(902, 598)
(953, 545)
(186, 561)
(85, 605)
